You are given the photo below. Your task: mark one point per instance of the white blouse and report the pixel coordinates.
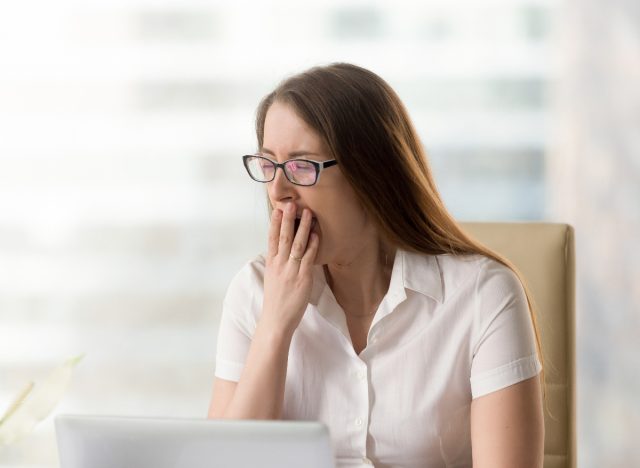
(450, 329)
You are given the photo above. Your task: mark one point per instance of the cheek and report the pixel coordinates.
(340, 215)
(345, 223)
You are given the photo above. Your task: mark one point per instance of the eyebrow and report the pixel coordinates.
(293, 154)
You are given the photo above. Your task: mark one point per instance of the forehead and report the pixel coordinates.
(285, 131)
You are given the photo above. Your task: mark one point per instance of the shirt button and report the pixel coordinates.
(359, 422)
(361, 375)
(366, 461)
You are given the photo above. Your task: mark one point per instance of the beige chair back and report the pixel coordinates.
(544, 254)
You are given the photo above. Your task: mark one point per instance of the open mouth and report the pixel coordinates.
(297, 221)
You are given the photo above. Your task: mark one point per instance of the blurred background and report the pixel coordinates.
(125, 209)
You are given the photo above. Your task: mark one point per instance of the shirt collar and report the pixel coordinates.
(421, 273)
(412, 270)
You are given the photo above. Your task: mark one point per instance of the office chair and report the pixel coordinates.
(545, 255)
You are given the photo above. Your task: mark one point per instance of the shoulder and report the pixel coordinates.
(442, 276)
(248, 280)
(461, 267)
(252, 270)
(483, 272)
(494, 289)
(477, 276)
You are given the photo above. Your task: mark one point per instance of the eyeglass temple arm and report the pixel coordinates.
(324, 164)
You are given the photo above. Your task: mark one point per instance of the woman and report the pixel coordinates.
(378, 316)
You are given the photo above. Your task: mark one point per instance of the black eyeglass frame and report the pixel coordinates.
(319, 165)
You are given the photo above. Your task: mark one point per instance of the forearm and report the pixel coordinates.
(288, 278)
(260, 391)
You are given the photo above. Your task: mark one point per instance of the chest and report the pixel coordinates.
(403, 400)
(358, 331)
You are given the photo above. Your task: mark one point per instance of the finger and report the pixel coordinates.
(310, 255)
(302, 236)
(274, 233)
(286, 230)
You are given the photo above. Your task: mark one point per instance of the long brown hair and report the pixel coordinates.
(368, 130)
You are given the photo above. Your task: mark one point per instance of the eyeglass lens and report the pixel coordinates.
(299, 172)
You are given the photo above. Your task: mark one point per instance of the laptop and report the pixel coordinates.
(134, 442)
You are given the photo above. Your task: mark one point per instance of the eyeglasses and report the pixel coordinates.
(298, 171)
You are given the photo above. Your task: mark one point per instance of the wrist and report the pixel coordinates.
(274, 333)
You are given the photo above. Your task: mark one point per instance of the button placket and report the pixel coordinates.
(360, 416)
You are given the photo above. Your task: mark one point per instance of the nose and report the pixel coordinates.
(280, 189)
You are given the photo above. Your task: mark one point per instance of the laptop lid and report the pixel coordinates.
(128, 442)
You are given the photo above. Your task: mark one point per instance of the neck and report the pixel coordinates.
(360, 282)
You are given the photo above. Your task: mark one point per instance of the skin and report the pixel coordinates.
(507, 428)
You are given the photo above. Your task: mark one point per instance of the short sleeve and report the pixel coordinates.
(504, 345)
(240, 309)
